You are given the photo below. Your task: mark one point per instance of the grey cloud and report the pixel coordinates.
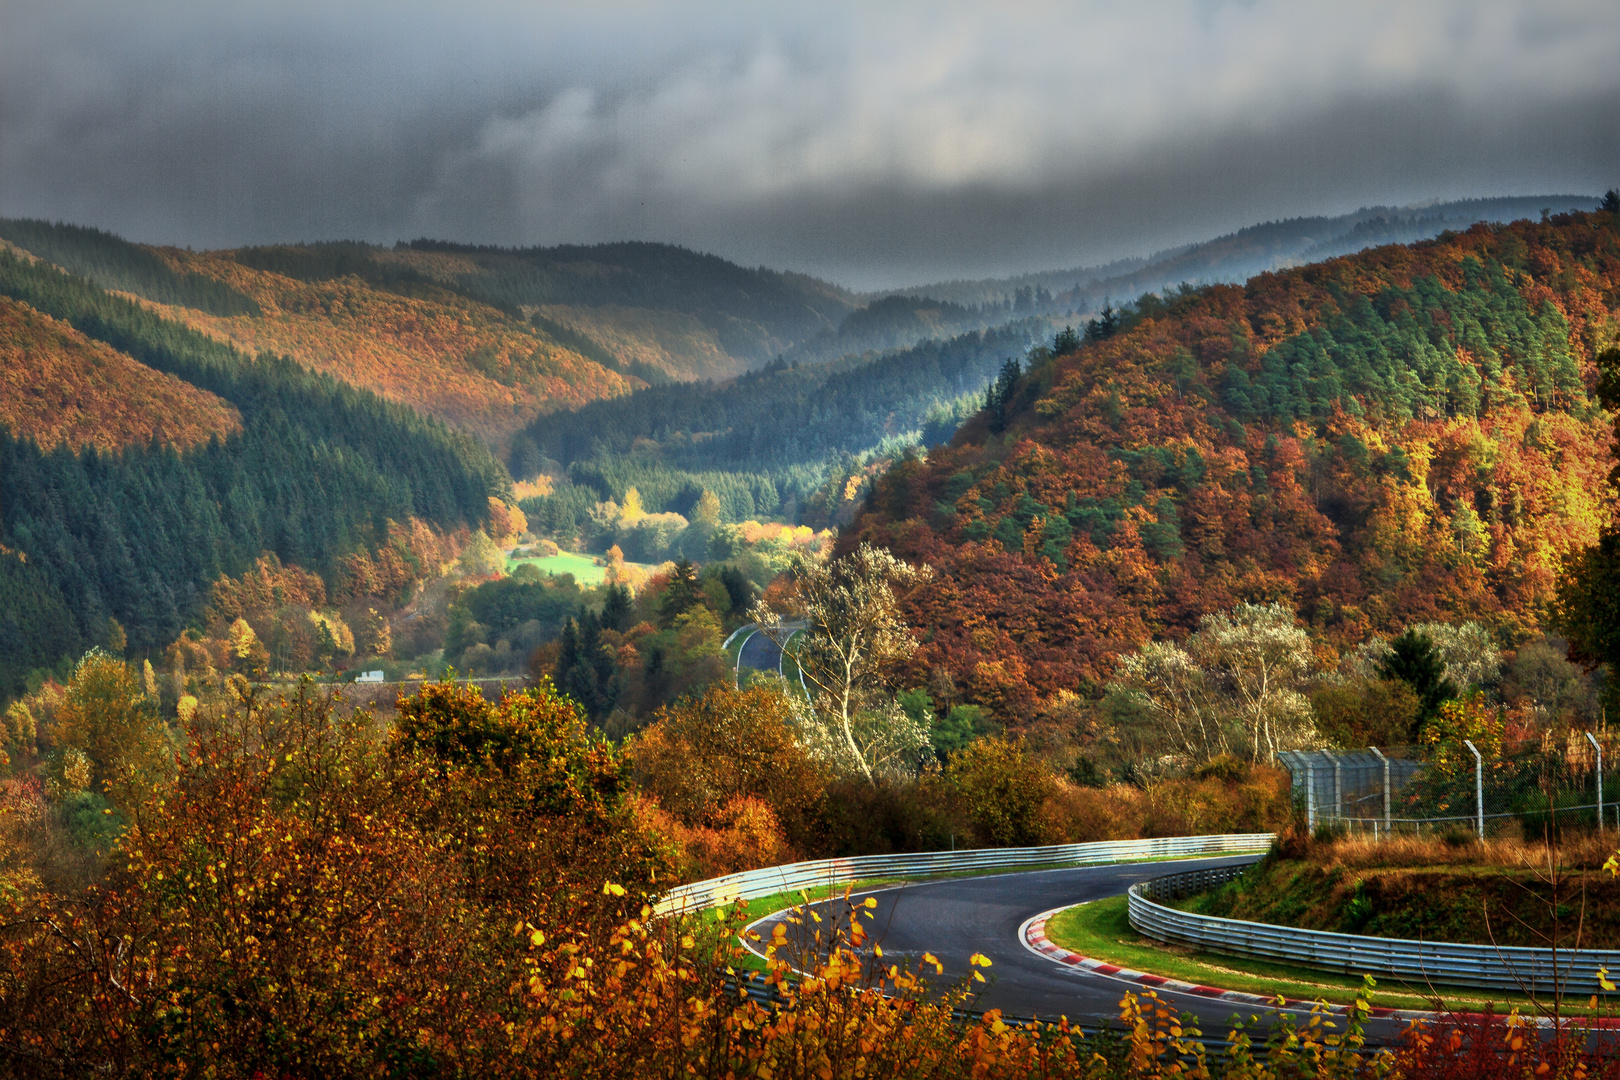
(874, 144)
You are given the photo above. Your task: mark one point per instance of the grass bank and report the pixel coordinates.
(1502, 893)
(1101, 930)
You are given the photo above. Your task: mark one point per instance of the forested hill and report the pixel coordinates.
(751, 314)
(337, 309)
(1401, 435)
(783, 416)
(59, 387)
(120, 547)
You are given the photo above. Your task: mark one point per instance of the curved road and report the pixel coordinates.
(760, 653)
(955, 918)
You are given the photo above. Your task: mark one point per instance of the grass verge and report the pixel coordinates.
(733, 651)
(790, 666)
(1101, 930)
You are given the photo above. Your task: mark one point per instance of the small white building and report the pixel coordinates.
(369, 676)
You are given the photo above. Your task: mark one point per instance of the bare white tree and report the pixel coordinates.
(1177, 693)
(853, 633)
(1237, 677)
(1261, 656)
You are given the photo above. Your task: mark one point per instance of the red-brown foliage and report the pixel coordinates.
(441, 353)
(58, 386)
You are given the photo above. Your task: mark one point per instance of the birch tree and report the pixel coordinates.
(853, 633)
(1237, 678)
(1261, 657)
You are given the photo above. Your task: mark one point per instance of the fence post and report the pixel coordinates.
(1599, 749)
(1385, 761)
(1310, 790)
(1479, 789)
(1338, 788)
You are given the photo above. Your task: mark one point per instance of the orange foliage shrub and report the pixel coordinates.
(709, 759)
(306, 897)
(741, 835)
(1080, 815)
(1258, 801)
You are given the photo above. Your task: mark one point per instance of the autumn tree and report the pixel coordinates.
(377, 634)
(106, 715)
(482, 558)
(707, 510)
(849, 610)
(1002, 788)
(705, 753)
(1587, 608)
(632, 508)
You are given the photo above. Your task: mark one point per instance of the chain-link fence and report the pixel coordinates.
(1534, 787)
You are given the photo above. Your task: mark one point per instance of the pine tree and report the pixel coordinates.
(681, 595)
(1414, 660)
(617, 609)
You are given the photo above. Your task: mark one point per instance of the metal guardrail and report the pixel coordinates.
(752, 884)
(1487, 967)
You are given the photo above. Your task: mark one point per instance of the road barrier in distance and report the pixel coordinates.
(1485, 967)
(752, 884)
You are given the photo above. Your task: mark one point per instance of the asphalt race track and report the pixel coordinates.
(760, 653)
(955, 918)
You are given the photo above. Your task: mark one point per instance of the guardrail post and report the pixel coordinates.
(1479, 788)
(1385, 761)
(1591, 739)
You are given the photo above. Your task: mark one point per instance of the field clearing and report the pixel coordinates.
(583, 567)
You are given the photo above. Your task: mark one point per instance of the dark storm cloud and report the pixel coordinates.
(873, 144)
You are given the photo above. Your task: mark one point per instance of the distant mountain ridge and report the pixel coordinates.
(491, 338)
(1236, 257)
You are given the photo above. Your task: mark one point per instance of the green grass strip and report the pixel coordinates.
(1101, 930)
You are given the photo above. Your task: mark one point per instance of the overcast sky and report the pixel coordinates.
(873, 143)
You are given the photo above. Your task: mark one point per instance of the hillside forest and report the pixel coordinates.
(1406, 435)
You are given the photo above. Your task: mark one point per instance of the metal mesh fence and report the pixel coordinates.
(1535, 787)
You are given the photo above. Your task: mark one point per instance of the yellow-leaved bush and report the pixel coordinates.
(469, 892)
